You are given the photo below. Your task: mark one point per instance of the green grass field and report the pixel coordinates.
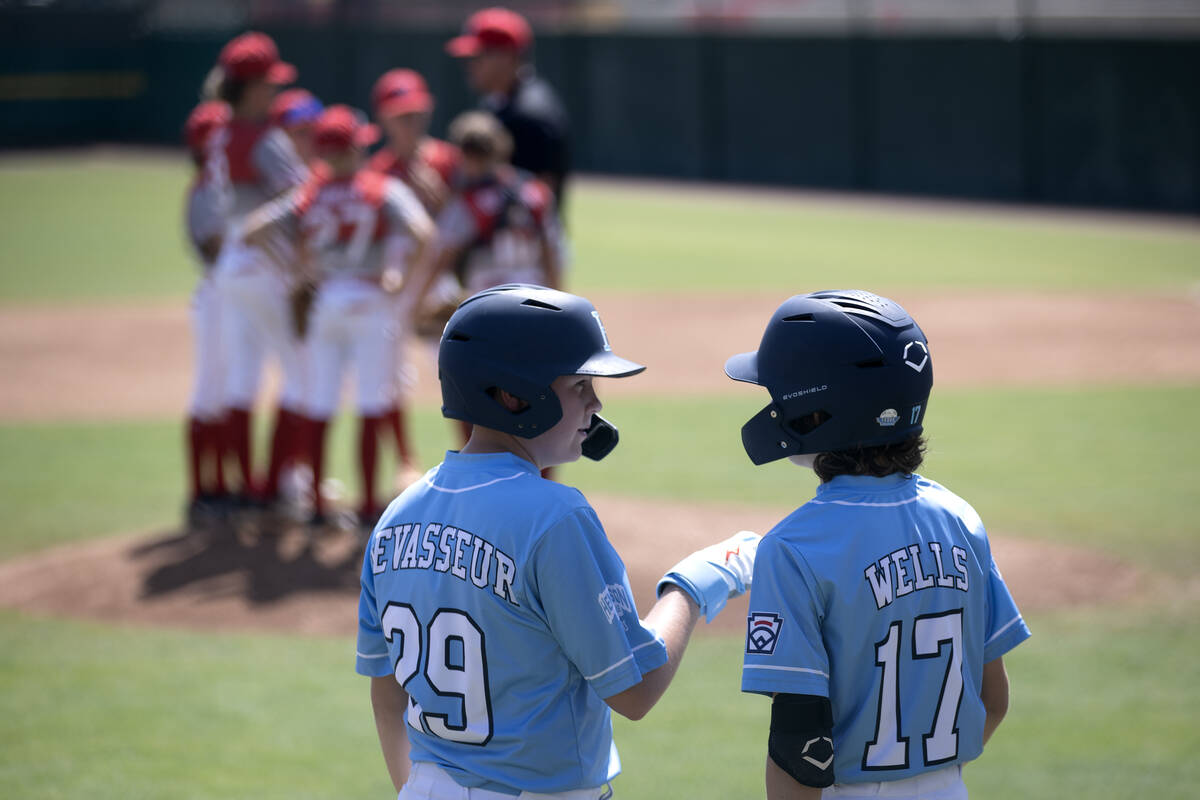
(1104, 700)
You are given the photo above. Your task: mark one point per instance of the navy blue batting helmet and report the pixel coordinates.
(519, 338)
(844, 368)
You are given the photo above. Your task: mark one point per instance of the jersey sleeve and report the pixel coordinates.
(279, 217)
(584, 595)
(784, 648)
(402, 209)
(455, 225)
(1006, 627)
(205, 215)
(277, 162)
(372, 652)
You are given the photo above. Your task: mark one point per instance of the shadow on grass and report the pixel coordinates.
(261, 561)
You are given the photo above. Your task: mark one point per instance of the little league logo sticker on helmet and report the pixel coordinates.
(887, 418)
(603, 333)
(762, 632)
(916, 355)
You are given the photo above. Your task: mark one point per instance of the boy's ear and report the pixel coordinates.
(510, 401)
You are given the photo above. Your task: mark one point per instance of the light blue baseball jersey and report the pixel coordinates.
(882, 595)
(495, 598)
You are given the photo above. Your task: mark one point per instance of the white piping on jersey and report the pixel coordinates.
(871, 505)
(622, 661)
(786, 669)
(1007, 625)
(429, 482)
(364, 655)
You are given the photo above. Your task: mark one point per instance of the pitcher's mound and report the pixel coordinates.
(289, 581)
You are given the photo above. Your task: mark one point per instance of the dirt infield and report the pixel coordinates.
(134, 361)
(289, 583)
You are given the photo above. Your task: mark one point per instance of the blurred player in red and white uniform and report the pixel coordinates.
(296, 112)
(501, 227)
(403, 108)
(205, 220)
(256, 161)
(351, 220)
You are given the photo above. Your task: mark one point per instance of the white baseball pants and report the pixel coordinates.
(256, 320)
(942, 784)
(208, 361)
(353, 321)
(430, 782)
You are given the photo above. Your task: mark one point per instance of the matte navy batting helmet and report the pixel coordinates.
(519, 338)
(844, 368)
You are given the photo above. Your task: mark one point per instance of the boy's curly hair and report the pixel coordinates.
(904, 457)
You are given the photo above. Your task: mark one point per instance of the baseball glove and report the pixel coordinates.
(301, 301)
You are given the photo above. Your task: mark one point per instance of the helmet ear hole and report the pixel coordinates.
(507, 400)
(802, 426)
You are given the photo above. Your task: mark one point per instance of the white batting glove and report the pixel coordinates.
(715, 574)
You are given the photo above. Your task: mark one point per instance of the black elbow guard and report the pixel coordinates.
(801, 742)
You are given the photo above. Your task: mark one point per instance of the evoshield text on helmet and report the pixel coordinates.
(520, 338)
(844, 369)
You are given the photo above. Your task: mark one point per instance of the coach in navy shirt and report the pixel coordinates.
(496, 44)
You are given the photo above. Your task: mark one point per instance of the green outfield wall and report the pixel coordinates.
(1077, 121)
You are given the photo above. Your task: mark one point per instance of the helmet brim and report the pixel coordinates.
(609, 365)
(743, 367)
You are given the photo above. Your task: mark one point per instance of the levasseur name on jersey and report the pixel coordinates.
(448, 549)
(913, 568)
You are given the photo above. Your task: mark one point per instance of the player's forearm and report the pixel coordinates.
(781, 786)
(994, 694)
(389, 704)
(674, 617)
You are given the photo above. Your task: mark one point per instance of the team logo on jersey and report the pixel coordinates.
(762, 632)
(603, 333)
(615, 603)
(916, 355)
(887, 418)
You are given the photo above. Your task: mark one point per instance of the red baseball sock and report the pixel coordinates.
(368, 456)
(397, 419)
(285, 446)
(316, 455)
(238, 432)
(196, 441)
(216, 444)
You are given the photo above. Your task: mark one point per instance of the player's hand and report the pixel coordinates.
(715, 574)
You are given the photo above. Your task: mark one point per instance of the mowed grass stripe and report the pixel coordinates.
(1111, 468)
(79, 228)
(113, 712)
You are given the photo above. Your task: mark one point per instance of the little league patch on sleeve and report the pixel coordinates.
(616, 603)
(762, 632)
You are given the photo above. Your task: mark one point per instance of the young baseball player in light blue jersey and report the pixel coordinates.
(878, 619)
(496, 621)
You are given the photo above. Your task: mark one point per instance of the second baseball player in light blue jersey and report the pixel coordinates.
(496, 621)
(878, 619)
(903, 564)
(517, 573)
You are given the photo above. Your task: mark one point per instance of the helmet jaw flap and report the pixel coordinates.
(520, 338)
(844, 369)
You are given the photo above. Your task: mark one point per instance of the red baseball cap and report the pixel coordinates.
(491, 29)
(400, 91)
(204, 119)
(295, 108)
(254, 56)
(341, 127)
